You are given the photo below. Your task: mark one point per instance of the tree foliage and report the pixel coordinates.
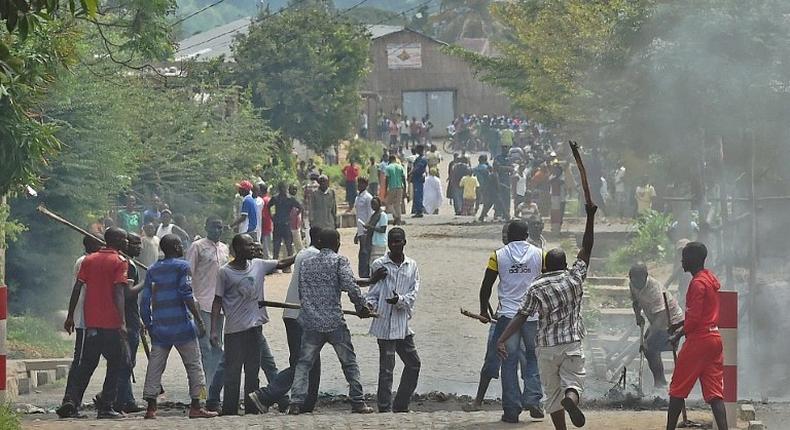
(304, 68)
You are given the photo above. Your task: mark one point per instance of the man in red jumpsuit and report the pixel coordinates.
(701, 357)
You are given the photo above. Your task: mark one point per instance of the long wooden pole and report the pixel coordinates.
(582, 172)
(284, 305)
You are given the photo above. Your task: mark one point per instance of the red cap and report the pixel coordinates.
(245, 185)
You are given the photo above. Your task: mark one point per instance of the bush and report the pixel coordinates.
(651, 243)
(9, 420)
(34, 337)
(360, 151)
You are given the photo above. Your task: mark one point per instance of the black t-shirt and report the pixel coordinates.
(131, 308)
(280, 207)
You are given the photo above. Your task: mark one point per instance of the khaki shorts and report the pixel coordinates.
(561, 367)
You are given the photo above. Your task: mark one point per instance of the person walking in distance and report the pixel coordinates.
(702, 355)
(373, 177)
(363, 211)
(103, 275)
(516, 264)
(166, 305)
(351, 173)
(295, 220)
(396, 186)
(417, 177)
(239, 289)
(321, 283)
(393, 298)
(205, 256)
(69, 408)
(647, 295)
(279, 209)
(376, 230)
(323, 206)
(556, 297)
(247, 220)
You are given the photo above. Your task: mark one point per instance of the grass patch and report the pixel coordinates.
(34, 337)
(9, 420)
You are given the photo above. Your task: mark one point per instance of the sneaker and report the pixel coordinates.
(472, 407)
(282, 405)
(509, 419)
(293, 410)
(66, 410)
(361, 408)
(201, 413)
(536, 412)
(576, 414)
(213, 407)
(108, 414)
(253, 396)
(129, 408)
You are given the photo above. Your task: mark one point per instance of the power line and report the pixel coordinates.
(197, 12)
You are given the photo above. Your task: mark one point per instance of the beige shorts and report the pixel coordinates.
(561, 367)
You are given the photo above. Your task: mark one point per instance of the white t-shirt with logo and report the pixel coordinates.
(518, 264)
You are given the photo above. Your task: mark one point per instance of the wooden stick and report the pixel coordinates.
(582, 172)
(478, 317)
(674, 351)
(283, 305)
(82, 231)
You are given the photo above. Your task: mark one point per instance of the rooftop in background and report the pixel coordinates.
(217, 41)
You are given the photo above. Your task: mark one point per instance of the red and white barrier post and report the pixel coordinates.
(3, 351)
(728, 328)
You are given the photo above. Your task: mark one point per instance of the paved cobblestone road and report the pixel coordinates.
(336, 420)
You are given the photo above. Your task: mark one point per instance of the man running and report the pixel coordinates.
(516, 265)
(647, 295)
(556, 296)
(166, 305)
(702, 355)
(393, 299)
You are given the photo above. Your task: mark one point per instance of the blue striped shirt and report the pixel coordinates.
(167, 289)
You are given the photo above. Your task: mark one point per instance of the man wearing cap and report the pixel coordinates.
(323, 206)
(248, 214)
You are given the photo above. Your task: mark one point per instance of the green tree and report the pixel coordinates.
(304, 68)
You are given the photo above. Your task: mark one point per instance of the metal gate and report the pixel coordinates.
(440, 105)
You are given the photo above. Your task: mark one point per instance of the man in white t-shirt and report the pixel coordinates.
(239, 290)
(516, 265)
(91, 245)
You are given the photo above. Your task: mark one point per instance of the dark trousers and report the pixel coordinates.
(504, 198)
(491, 199)
(364, 257)
(282, 235)
(408, 379)
(79, 343)
(278, 388)
(416, 204)
(351, 193)
(242, 349)
(373, 189)
(125, 395)
(97, 343)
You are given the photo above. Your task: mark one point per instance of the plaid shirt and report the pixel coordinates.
(557, 298)
(321, 280)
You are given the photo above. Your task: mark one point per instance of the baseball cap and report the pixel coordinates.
(244, 185)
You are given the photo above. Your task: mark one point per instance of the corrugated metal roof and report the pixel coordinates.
(212, 43)
(377, 31)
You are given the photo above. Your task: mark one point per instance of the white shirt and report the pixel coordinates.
(164, 230)
(259, 208)
(521, 184)
(292, 296)
(518, 264)
(403, 280)
(363, 210)
(79, 318)
(205, 258)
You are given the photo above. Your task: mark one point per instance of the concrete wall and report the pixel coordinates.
(439, 71)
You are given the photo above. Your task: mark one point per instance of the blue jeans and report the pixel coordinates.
(211, 357)
(312, 343)
(279, 388)
(351, 193)
(416, 204)
(514, 399)
(125, 395)
(458, 199)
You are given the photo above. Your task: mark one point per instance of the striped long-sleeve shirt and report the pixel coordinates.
(403, 281)
(167, 289)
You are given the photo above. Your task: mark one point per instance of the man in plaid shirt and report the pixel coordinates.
(556, 296)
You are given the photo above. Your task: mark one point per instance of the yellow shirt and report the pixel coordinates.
(470, 184)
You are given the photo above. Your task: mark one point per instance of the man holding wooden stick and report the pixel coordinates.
(556, 296)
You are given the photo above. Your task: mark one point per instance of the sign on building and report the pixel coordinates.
(404, 55)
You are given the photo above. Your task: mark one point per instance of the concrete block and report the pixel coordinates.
(747, 413)
(23, 385)
(44, 377)
(756, 425)
(61, 372)
(33, 378)
(11, 390)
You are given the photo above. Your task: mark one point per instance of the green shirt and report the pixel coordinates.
(373, 174)
(396, 176)
(129, 221)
